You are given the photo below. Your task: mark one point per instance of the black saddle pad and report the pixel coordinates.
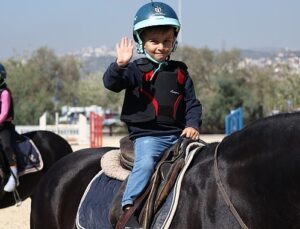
(95, 204)
(28, 157)
(93, 210)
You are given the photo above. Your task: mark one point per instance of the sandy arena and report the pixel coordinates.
(18, 217)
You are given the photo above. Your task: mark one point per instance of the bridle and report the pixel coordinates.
(223, 192)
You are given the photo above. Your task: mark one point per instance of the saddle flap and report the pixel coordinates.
(29, 158)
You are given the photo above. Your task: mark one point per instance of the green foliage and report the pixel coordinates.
(92, 91)
(222, 86)
(41, 83)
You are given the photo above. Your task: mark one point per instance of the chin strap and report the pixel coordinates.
(139, 44)
(160, 64)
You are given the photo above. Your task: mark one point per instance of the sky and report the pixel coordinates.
(70, 25)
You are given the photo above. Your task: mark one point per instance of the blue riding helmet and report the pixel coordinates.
(2, 72)
(153, 14)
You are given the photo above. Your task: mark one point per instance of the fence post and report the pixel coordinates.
(82, 127)
(96, 130)
(43, 121)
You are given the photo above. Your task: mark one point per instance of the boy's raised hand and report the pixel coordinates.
(124, 51)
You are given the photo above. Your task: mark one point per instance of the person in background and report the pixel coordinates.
(6, 131)
(160, 104)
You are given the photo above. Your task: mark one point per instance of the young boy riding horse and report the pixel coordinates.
(160, 103)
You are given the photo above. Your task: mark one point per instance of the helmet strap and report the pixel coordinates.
(160, 64)
(139, 45)
(151, 58)
(175, 44)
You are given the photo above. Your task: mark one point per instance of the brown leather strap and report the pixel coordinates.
(127, 214)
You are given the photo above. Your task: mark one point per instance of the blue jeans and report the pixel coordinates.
(147, 151)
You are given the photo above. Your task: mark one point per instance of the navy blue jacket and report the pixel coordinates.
(140, 120)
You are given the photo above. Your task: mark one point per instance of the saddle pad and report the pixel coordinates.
(110, 164)
(95, 203)
(29, 159)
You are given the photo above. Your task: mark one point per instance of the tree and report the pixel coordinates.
(41, 83)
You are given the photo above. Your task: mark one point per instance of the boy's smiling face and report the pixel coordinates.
(158, 42)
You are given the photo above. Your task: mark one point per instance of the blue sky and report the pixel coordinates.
(69, 25)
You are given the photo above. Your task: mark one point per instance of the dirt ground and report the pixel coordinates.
(18, 217)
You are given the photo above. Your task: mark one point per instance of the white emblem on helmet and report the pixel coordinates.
(157, 9)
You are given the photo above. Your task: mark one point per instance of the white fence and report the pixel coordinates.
(75, 134)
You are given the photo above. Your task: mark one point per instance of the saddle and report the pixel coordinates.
(159, 187)
(28, 156)
(126, 153)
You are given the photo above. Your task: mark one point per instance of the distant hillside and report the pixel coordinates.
(95, 64)
(270, 54)
(98, 59)
(254, 54)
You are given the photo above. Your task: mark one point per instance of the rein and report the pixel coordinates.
(223, 192)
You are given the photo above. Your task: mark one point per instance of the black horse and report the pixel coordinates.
(249, 180)
(52, 147)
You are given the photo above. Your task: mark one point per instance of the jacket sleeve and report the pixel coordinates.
(5, 104)
(116, 79)
(193, 105)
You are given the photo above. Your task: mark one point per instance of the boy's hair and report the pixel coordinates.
(160, 29)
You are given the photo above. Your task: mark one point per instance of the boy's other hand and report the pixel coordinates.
(190, 132)
(124, 51)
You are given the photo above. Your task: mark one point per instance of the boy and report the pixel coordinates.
(160, 104)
